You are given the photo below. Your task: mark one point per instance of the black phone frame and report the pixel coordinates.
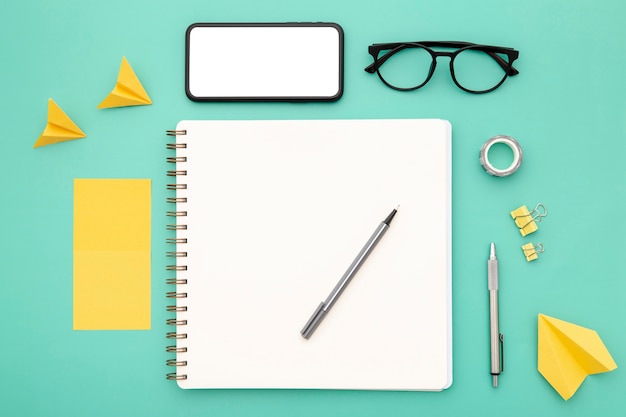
(334, 97)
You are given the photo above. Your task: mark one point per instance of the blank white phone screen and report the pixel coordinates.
(272, 62)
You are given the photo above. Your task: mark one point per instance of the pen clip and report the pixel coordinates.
(501, 352)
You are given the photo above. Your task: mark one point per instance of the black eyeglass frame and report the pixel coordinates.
(492, 51)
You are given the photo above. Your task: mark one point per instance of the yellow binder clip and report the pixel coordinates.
(527, 220)
(531, 252)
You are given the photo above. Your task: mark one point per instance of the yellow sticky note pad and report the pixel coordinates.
(112, 254)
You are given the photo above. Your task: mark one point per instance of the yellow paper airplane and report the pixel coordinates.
(128, 90)
(567, 353)
(59, 128)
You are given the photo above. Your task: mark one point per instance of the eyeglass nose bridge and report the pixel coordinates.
(433, 65)
(436, 54)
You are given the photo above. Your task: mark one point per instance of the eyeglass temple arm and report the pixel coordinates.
(380, 61)
(371, 68)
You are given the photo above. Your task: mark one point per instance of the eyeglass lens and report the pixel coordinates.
(407, 68)
(474, 69)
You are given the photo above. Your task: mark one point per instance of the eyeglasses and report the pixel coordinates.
(474, 68)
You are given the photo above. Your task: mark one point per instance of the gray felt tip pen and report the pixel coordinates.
(326, 305)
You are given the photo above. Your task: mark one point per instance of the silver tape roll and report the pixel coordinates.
(517, 155)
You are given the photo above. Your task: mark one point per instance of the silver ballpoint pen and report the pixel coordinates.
(325, 306)
(497, 338)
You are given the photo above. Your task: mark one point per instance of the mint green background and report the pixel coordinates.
(567, 109)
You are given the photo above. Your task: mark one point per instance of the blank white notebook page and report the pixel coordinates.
(276, 212)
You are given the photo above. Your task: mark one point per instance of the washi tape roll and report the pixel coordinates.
(511, 143)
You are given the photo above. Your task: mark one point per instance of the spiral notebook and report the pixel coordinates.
(266, 217)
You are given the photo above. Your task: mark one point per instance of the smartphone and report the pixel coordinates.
(264, 62)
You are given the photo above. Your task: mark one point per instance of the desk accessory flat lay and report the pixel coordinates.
(286, 156)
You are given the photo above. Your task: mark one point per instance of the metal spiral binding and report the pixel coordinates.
(177, 282)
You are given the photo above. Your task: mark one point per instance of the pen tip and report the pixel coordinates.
(492, 250)
(387, 221)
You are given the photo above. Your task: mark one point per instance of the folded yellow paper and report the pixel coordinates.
(567, 353)
(112, 254)
(59, 127)
(128, 90)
